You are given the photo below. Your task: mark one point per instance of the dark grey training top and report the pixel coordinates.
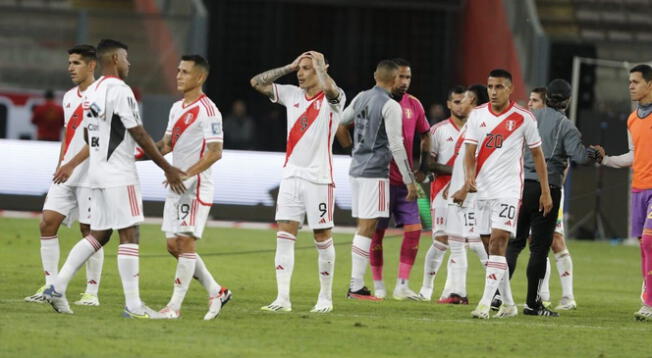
(561, 141)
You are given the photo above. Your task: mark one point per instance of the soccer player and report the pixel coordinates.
(406, 213)
(307, 188)
(444, 136)
(493, 167)
(537, 98)
(458, 220)
(639, 135)
(378, 136)
(113, 128)
(194, 135)
(561, 141)
(68, 197)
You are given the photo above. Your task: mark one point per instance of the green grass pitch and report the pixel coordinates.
(607, 284)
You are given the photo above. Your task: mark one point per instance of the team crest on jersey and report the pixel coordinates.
(188, 118)
(317, 105)
(303, 122)
(408, 113)
(510, 125)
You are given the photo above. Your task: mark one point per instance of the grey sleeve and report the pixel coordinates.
(572, 141)
(348, 115)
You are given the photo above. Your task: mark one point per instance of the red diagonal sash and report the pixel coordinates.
(73, 124)
(302, 124)
(443, 180)
(185, 120)
(504, 129)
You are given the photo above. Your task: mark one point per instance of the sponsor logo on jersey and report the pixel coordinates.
(68, 105)
(450, 139)
(492, 277)
(216, 128)
(483, 125)
(279, 267)
(296, 105)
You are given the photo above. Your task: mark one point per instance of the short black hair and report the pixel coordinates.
(645, 70)
(458, 89)
(401, 62)
(107, 45)
(542, 92)
(87, 52)
(480, 92)
(500, 73)
(49, 94)
(199, 60)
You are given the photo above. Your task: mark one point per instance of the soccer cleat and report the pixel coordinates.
(566, 304)
(88, 299)
(496, 303)
(37, 297)
(405, 293)
(168, 312)
(322, 306)
(425, 293)
(540, 310)
(57, 300)
(481, 312)
(454, 299)
(147, 313)
(216, 303)
(506, 311)
(644, 314)
(362, 294)
(278, 306)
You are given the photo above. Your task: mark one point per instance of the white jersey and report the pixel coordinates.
(190, 128)
(499, 156)
(110, 109)
(457, 176)
(312, 123)
(74, 117)
(443, 141)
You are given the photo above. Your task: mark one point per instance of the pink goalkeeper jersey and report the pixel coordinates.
(414, 122)
(500, 138)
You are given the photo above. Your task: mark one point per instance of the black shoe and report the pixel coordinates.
(539, 310)
(362, 294)
(496, 303)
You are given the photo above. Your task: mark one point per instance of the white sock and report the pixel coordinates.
(402, 283)
(183, 276)
(476, 245)
(544, 288)
(82, 250)
(565, 269)
(505, 289)
(432, 262)
(326, 264)
(496, 269)
(94, 272)
(284, 263)
(458, 265)
(359, 261)
(128, 267)
(205, 278)
(448, 287)
(50, 258)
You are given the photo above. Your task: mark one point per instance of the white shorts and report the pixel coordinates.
(116, 208)
(369, 198)
(184, 214)
(298, 198)
(499, 214)
(438, 209)
(73, 202)
(461, 221)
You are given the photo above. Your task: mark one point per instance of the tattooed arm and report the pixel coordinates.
(262, 82)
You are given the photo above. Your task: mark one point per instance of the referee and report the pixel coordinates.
(561, 142)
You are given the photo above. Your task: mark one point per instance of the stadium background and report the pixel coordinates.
(448, 42)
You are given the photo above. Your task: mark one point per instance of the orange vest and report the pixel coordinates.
(640, 129)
